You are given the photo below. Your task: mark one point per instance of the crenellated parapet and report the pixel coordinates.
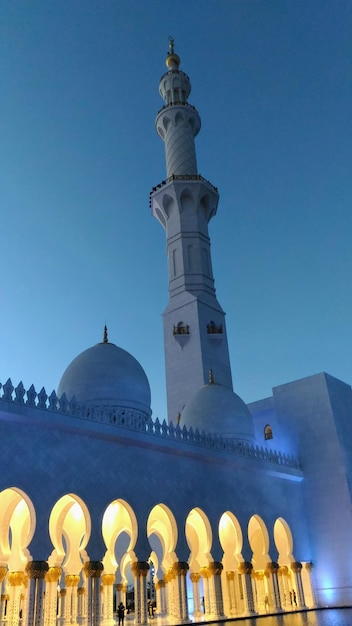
(133, 421)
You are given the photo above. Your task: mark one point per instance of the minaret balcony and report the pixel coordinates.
(170, 193)
(173, 177)
(181, 329)
(215, 332)
(214, 329)
(181, 333)
(177, 103)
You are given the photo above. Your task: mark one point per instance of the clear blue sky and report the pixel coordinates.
(271, 80)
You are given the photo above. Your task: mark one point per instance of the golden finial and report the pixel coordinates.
(172, 59)
(105, 339)
(178, 418)
(211, 377)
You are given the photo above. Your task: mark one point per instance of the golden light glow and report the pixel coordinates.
(76, 512)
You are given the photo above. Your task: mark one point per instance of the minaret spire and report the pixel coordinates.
(172, 60)
(194, 322)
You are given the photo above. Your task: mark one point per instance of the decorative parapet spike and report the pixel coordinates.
(132, 420)
(8, 389)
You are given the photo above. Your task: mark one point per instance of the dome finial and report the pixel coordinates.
(172, 59)
(105, 338)
(171, 44)
(211, 377)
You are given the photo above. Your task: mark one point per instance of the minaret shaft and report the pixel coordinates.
(194, 323)
(177, 125)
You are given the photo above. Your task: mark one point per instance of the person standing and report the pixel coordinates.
(121, 613)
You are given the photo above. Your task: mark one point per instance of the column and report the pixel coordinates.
(216, 600)
(140, 570)
(16, 580)
(180, 570)
(231, 592)
(108, 595)
(205, 601)
(5, 599)
(119, 588)
(160, 597)
(245, 569)
(195, 578)
(71, 582)
(62, 606)
(296, 568)
(26, 600)
(258, 579)
(167, 579)
(283, 587)
(93, 570)
(171, 593)
(308, 589)
(52, 578)
(36, 572)
(271, 574)
(81, 605)
(4, 596)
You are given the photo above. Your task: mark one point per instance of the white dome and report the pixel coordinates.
(106, 375)
(219, 411)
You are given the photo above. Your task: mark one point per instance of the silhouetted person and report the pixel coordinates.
(121, 613)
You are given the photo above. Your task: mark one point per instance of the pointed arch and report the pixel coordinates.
(162, 535)
(199, 539)
(259, 542)
(283, 541)
(120, 531)
(17, 526)
(69, 529)
(186, 200)
(179, 118)
(231, 540)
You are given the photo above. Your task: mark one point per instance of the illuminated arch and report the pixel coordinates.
(69, 529)
(231, 540)
(283, 541)
(162, 536)
(199, 539)
(259, 542)
(120, 530)
(17, 526)
(125, 571)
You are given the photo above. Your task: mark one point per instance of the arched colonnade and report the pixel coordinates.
(69, 588)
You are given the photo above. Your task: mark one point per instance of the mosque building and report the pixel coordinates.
(223, 510)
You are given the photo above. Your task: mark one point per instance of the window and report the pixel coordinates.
(268, 432)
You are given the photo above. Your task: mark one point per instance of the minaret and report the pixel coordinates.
(194, 322)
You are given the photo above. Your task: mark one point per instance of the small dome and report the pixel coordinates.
(106, 375)
(219, 411)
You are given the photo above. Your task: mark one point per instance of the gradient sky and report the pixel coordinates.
(79, 154)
